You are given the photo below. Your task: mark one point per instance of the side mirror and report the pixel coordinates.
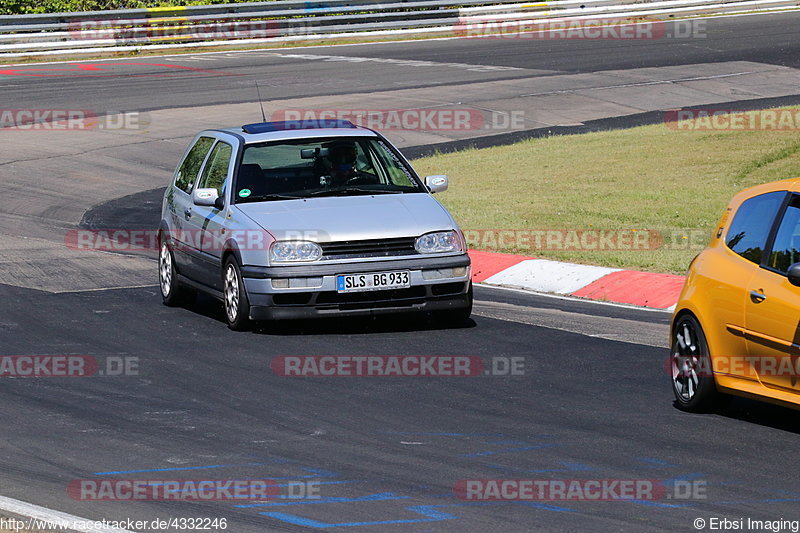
(794, 274)
(206, 197)
(437, 183)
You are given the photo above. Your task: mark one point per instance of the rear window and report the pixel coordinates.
(750, 227)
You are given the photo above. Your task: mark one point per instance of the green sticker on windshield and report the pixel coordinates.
(244, 193)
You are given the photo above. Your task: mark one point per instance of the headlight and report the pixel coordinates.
(441, 241)
(284, 251)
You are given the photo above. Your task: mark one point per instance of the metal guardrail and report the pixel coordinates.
(292, 20)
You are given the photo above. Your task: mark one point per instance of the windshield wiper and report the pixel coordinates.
(263, 197)
(350, 190)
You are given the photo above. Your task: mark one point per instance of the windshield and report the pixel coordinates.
(344, 166)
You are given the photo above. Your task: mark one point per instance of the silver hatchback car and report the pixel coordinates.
(281, 220)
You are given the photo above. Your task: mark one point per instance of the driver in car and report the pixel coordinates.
(340, 163)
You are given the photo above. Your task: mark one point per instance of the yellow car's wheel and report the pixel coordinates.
(692, 379)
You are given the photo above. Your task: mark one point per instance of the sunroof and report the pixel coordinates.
(265, 127)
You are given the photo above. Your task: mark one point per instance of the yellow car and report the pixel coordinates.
(736, 326)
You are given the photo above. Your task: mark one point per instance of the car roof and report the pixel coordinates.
(293, 130)
(789, 184)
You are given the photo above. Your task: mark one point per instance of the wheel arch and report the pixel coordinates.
(682, 313)
(230, 248)
(699, 316)
(163, 228)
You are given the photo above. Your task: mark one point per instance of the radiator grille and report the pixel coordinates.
(369, 248)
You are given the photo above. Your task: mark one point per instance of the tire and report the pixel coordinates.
(692, 379)
(456, 317)
(173, 294)
(237, 307)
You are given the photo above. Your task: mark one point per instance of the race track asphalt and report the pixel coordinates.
(384, 453)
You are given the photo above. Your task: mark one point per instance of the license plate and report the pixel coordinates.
(373, 281)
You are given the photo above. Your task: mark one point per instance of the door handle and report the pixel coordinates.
(187, 213)
(757, 297)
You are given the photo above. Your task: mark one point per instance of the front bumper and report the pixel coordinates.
(322, 299)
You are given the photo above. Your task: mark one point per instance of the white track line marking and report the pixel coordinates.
(44, 514)
(399, 62)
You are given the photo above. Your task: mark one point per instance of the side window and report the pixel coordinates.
(187, 172)
(396, 173)
(216, 169)
(750, 227)
(786, 250)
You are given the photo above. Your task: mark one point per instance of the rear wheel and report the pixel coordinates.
(173, 293)
(692, 378)
(237, 308)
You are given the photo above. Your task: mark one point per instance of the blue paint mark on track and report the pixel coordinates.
(381, 496)
(547, 507)
(431, 513)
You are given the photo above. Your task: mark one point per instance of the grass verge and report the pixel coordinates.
(672, 183)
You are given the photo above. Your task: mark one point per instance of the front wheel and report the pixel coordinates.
(692, 377)
(237, 307)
